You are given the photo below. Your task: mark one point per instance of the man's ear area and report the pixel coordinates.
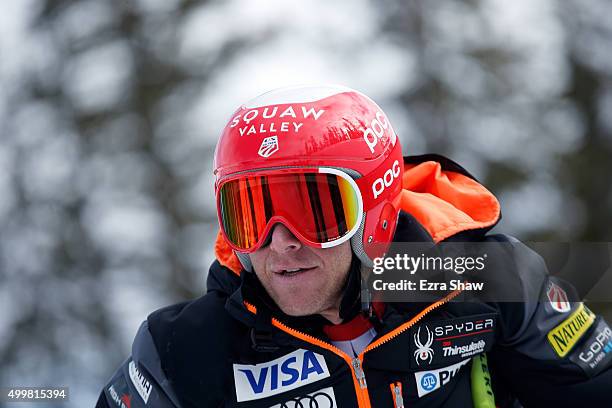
(226, 256)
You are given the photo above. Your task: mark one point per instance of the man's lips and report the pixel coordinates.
(291, 270)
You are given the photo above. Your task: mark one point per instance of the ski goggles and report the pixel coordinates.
(322, 207)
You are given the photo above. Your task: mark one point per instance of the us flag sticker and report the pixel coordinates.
(558, 299)
(269, 146)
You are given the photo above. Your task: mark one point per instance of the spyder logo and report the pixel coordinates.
(424, 351)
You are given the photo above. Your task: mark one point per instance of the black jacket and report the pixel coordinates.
(234, 348)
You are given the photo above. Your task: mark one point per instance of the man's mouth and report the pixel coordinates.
(293, 271)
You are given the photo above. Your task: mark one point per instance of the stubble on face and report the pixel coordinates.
(316, 288)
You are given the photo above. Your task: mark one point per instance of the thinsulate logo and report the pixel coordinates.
(563, 337)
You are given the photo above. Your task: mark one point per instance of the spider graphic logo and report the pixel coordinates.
(424, 351)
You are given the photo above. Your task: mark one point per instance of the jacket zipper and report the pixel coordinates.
(359, 380)
(356, 363)
(396, 392)
(359, 374)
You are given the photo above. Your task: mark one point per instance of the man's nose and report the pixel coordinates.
(283, 240)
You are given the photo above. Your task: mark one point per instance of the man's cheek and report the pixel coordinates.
(258, 262)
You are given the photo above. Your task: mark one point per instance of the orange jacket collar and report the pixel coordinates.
(446, 202)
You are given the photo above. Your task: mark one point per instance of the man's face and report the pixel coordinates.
(315, 288)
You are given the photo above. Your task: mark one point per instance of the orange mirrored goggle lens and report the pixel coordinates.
(322, 207)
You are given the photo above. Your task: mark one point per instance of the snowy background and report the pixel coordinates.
(110, 111)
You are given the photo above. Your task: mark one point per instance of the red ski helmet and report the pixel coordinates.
(322, 160)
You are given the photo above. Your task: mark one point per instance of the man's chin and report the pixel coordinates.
(297, 309)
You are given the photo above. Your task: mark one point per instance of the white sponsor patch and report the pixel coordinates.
(269, 146)
(323, 398)
(429, 381)
(288, 372)
(142, 385)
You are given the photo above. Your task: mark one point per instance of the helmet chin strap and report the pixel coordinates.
(366, 299)
(357, 245)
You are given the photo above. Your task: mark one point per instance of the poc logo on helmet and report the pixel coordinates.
(386, 180)
(376, 130)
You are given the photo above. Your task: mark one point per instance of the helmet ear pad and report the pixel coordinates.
(376, 232)
(245, 261)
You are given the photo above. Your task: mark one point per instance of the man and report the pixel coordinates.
(311, 190)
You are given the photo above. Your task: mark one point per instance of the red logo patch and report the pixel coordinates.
(558, 299)
(125, 398)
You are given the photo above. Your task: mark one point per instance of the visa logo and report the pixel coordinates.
(288, 372)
